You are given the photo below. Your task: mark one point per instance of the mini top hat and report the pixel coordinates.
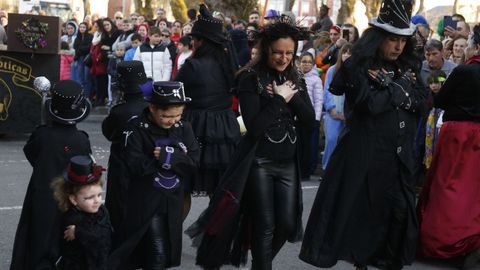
(206, 26)
(394, 17)
(68, 105)
(168, 93)
(131, 75)
(271, 13)
(81, 170)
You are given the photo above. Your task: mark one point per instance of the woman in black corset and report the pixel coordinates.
(258, 203)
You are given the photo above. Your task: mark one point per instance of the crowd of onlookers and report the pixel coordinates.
(92, 48)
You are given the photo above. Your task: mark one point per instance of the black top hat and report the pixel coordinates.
(81, 170)
(206, 26)
(395, 17)
(168, 93)
(131, 75)
(68, 105)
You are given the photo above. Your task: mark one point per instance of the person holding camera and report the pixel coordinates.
(161, 154)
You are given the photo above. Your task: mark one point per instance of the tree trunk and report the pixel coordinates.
(240, 8)
(179, 10)
(455, 7)
(292, 2)
(371, 8)
(421, 7)
(86, 7)
(345, 13)
(193, 3)
(145, 10)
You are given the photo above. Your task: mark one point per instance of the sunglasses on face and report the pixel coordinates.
(118, 18)
(163, 35)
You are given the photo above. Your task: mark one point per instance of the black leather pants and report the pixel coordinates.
(157, 243)
(272, 193)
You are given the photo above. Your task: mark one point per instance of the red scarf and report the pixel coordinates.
(473, 60)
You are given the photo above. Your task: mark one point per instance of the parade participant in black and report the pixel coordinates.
(364, 210)
(261, 188)
(49, 150)
(131, 76)
(208, 78)
(160, 153)
(86, 230)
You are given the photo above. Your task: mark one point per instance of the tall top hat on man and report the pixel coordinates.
(207, 27)
(68, 104)
(131, 76)
(395, 17)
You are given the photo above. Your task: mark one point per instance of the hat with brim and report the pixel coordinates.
(168, 93)
(395, 17)
(81, 170)
(271, 13)
(67, 104)
(207, 27)
(131, 76)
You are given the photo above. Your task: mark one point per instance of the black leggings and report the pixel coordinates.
(272, 191)
(157, 243)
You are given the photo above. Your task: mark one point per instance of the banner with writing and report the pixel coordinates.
(20, 103)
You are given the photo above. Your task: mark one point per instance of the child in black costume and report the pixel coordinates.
(87, 235)
(161, 155)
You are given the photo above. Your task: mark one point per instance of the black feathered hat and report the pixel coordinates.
(284, 26)
(67, 104)
(131, 75)
(206, 26)
(395, 17)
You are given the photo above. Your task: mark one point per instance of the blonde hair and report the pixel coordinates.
(63, 189)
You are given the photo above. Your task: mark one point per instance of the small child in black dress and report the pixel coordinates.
(87, 235)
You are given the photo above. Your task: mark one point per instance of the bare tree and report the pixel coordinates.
(144, 9)
(372, 7)
(345, 13)
(239, 8)
(421, 8)
(455, 7)
(179, 10)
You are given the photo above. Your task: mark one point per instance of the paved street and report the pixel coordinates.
(15, 172)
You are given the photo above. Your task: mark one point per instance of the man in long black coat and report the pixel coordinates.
(364, 210)
(49, 150)
(131, 76)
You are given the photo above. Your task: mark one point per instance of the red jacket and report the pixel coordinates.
(99, 63)
(65, 65)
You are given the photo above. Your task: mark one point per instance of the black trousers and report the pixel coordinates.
(156, 243)
(272, 193)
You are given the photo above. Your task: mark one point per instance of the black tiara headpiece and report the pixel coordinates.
(283, 26)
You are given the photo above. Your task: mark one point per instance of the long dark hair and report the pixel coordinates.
(260, 62)
(220, 53)
(365, 50)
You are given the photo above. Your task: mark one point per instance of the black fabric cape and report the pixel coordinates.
(349, 217)
(144, 200)
(48, 150)
(118, 178)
